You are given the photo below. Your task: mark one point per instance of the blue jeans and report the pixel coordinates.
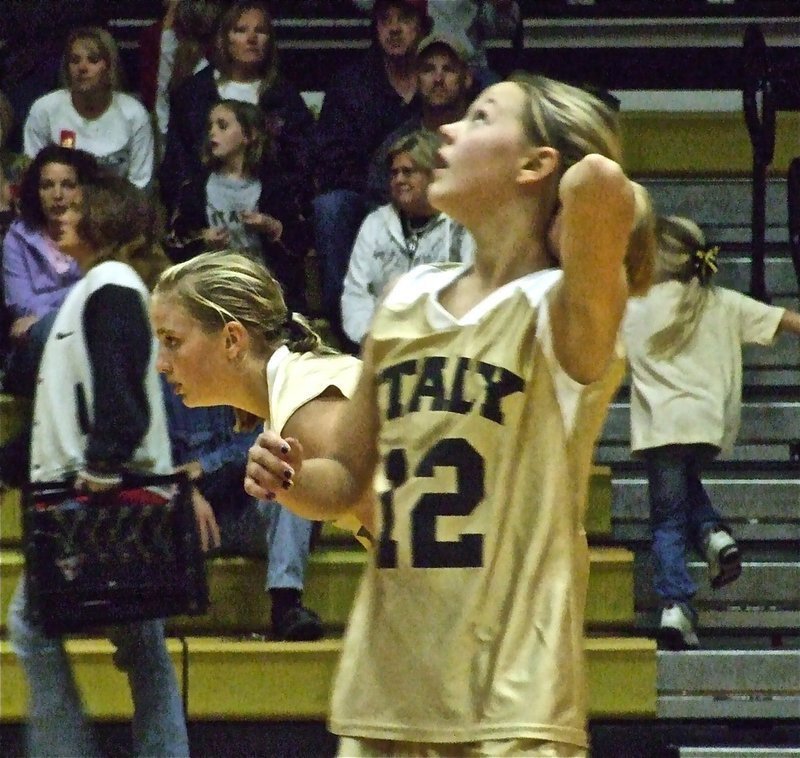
(337, 217)
(267, 528)
(680, 515)
(57, 725)
(247, 526)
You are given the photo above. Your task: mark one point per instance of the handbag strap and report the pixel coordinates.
(58, 490)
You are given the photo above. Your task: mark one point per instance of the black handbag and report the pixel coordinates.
(128, 554)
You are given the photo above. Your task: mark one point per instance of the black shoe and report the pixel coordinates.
(297, 624)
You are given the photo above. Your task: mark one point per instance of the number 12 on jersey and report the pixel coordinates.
(426, 550)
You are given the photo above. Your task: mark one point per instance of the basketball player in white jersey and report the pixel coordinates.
(482, 393)
(226, 337)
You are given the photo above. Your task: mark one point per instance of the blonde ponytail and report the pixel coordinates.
(683, 256)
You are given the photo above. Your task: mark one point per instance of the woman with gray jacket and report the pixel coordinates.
(400, 235)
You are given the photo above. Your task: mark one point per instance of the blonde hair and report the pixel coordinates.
(106, 48)
(679, 241)
(577, 123)
(224, 286)
(567, 118)
(420, 146)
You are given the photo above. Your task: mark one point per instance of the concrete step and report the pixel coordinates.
(240, 604)
(743, 454)
(734, 272)
(759, 508)
(763, 423)
(729, 684)
(734, 628)
(763, 586)
(722, 206)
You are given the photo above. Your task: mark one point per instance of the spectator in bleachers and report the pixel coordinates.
(684, 342)
(173, 49)
(444, 82)
(9, 168)
(37, 275)
(471, 22)
(101, 339)
(92, 113)
(363, 103)
(404, 233)
(245, 68)
(206, 445)
(239, 202)
(35, 32)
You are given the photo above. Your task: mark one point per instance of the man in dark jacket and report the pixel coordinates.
(363, 103)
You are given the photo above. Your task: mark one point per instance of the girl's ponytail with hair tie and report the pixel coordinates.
(704, 263)
(293, 329)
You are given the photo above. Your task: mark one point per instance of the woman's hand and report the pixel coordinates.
(263, 223)
(21, 326)
(215, 237)
(192, 469)
(272, 463)
(207, 525)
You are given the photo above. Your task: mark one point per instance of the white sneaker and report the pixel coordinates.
(724, 559)
(677, 630)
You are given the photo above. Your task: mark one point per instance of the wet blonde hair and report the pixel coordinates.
(105, 47)
(420, 146)
(679, 240)
(224, 286)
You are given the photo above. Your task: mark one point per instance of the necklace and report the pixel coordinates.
(413, 228)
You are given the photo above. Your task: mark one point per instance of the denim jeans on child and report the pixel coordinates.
(57, 725)
(681, 514)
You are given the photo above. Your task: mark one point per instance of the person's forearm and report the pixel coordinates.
(790, 322)
(323, 490)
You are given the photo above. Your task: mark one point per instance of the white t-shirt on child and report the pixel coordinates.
(695, 396)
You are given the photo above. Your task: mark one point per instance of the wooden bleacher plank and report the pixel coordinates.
(701, 144)
(103, 687)
(10, 524)
(12, 410)
(231, 679)
(622, 677)
(293, 679)
(241, 605)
